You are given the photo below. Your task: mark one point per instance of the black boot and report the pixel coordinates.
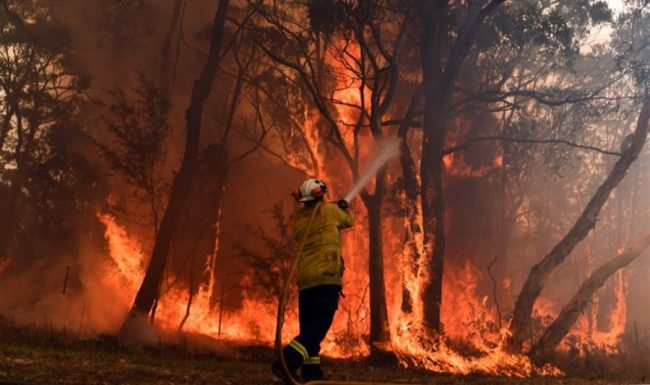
(294, 360)
(311, 370)
(280, 373)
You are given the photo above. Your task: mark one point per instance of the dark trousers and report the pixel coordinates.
(316, 307)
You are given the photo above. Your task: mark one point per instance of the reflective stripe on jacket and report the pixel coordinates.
(320, 260)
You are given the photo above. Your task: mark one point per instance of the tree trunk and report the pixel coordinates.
(379, 330)
(167, 45)
(433, 213)
(181, 186)
(11, 207)
(543, 349)
(587, 220)
(190, 293)
(6, 122)
(411, 190)
(438, 82)
(431, 194)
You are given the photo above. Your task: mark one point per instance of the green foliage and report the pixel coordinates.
(599, 12)
(47, 185)
(529, 24)
(630, 45)
(345, 16)
(326, 16)
(64, 186)
(139, 129)
(123, 24)
(31, 22)
(641, 72)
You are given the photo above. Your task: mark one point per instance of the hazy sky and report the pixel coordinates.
(616, 5)
(601, 34)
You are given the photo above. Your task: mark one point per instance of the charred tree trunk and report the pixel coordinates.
(509, 201)
(438, 82)
(587, 220)
(8, 207)
(433, 210)
(201, 221)
(411, 189)
(431, 195)
(190, 293)
(181, 187)
(379, 330)
(167, 45)
(546, 345)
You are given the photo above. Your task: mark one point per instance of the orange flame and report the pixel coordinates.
(253, 321)
(585, 335)
(472, 342)
(467, 321)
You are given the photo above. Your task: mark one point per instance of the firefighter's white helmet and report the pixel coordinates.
(307, 189)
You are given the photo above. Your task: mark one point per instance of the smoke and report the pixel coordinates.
(82, 302)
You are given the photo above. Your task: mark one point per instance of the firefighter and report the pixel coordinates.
(320, 270)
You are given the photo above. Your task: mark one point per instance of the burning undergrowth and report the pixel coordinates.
(472, 343)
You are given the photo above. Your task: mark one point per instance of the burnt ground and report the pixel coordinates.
(42, 356)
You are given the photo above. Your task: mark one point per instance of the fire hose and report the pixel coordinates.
(281, 309)
(285, 295)
(389, 150)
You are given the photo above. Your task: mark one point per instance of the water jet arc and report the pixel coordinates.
(389, 148)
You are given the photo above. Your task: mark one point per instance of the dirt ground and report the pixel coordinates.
(46, 357)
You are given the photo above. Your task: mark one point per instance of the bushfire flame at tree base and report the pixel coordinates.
(254, 321)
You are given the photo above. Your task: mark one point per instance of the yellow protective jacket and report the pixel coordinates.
(320, 262)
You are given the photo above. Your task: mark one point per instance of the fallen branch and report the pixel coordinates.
(521, 140)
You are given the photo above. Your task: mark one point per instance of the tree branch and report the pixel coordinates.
(554, 334)
(522, 140)
(19, 23)
(584, 224)
(318, 100)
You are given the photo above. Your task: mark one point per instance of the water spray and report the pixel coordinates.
(389, 148)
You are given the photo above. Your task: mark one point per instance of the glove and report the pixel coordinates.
(343, 204)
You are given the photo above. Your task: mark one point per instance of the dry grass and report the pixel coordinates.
(45, 356)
